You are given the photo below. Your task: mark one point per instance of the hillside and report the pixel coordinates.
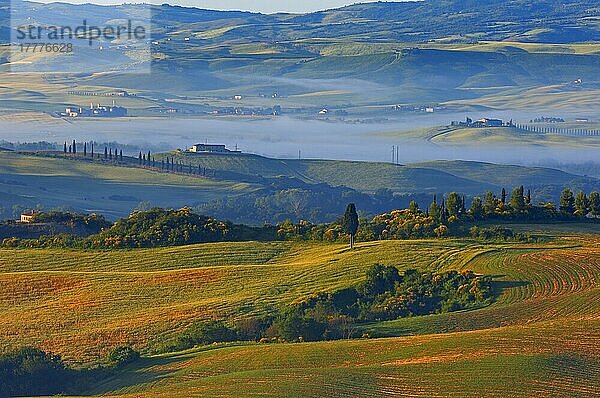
(83, 304)
(491, 55)
(292, 188)
(29, 181)
(429, 177)
(549, 21)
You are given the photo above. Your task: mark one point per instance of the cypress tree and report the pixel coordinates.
(503, 196)
(85, 149)
(65, 147)
(350, 222)
(74, 147)
(92, 150)
(105, 152)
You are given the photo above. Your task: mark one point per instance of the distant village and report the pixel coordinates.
(95, 111)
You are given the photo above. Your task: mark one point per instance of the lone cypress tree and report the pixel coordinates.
(65, 147)
(85, 149)
(121, 155)
(503, 196)
(350, 222)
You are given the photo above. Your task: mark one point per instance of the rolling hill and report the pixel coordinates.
(378, 53)
(82, 304)
(29, 181)
(430, 177)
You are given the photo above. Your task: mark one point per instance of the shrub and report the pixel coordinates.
(199, 333)
(123, 355)
(30, 371)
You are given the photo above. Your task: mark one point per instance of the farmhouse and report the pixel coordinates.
(483, 122)
(27, 217)
(211, 148)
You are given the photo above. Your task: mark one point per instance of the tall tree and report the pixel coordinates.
(120, 155)
(517, 200)
(477, 208)
(85, 149)
(489, 203)
(567, 202)
(581, 204)
(595, 203)
(528, 198)
(105, 153)
(453, 204)
(74, 147)
(65, 147)
(92, 150)
(413, 207)
(434, 210)
(503, 196)
(350, 222)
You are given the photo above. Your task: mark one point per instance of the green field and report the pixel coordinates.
(539, 337)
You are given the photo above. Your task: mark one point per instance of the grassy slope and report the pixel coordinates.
(81, 304)
(112, 190)
(439, 176)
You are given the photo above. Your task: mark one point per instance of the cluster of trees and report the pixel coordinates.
(520, 207)
(92, 221)
(30, 371)
(153, 228)
(384, 295)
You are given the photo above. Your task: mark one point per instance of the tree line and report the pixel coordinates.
(448, 217)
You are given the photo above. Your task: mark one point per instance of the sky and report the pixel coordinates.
(264, 6)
